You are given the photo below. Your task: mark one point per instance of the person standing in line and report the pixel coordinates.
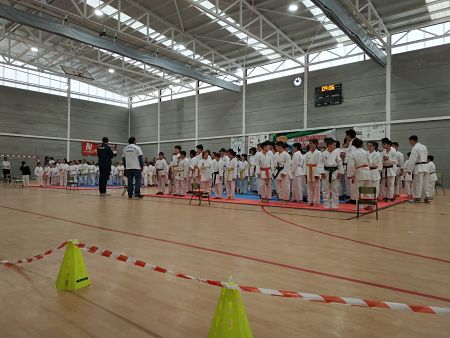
(311, 164)
(6, 168)
(359, 167)
(26, 172)
(389, 155)
(350, 135)
(400, 167)
(39, 173)
(296, 173)
(105, 155)
(282, 176)
(162, 171)
(331, 168)
(418, 167)
(375, 165)
(432, 175)
(133, 159)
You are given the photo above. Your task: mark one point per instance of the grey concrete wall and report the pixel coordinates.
(421, 83)
(178, 119)
(274, 105)
(32, 113)
(144, 123)
(219, 113)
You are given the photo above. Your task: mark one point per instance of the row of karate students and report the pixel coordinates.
(84, 172)
(295, 173)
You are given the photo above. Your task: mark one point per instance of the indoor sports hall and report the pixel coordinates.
(224, 168)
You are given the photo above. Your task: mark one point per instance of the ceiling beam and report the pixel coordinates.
(342, 18)
(77, 34)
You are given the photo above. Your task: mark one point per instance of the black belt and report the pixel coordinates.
(214, 178)
(433, 173)
(373, 168)
(330, 170)
(421, 163)
(278, 172)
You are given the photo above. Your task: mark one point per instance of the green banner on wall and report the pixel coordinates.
(303, 136)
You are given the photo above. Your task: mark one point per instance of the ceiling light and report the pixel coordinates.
(111, 70)
(98, 12)
(293, 7)
(34, 49)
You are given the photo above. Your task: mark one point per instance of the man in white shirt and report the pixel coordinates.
(417, 165)
(400, 167)
(6, 168)
(133, 160)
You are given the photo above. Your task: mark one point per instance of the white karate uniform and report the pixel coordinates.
(217, 170)
(54, 176)
(330, 185)
(407, 179)
(120, 175)
(417, 165)
(388, 174)
(253, 178)
(231, 171)
(161, 173)
(47, 175)
(376, 166)
(91, 174)
(151, 174)
(398, 177)
(263, 164)
(205, 169)
(432, 178)
(243, 168)
(145, 175)
(297, 176)
(358, 168)
(283, 180)
(39, 173)
(311, 164)
(182, 172)
(351, 184)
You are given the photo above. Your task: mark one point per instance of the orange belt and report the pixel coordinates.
(311, 177)
(362, 166)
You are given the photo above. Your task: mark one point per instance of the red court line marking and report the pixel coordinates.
(355, 240)
(255, 259)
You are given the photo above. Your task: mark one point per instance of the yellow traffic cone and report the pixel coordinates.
(72, 272)
(230, 319)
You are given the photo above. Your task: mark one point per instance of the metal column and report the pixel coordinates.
(129, 116)
(68, 119)
(305, 92)
(388, 87)
(196, 111)
(159, 121)
(244, 93)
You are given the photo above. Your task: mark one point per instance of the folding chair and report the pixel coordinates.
(125, 190)
(197, 192)
(72, 184)
(367, 201)
(17, 183)
(439, 183)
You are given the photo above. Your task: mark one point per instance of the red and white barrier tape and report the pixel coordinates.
(231, 285)
(272, 292)
(20, 156)
(34, 258)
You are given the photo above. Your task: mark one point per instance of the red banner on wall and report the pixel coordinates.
(90, 148)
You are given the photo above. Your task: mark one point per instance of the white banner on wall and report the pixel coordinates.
(371, 133)
(254, 140)
(238, 144)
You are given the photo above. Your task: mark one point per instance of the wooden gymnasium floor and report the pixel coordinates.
(276, 248)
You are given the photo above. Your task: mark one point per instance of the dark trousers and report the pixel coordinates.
(136, 175)
(7, 174)
(103, 179)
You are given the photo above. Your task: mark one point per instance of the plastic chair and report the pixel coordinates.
(72, 184)
(197, 192)
(367, 201)
(17, 183)
(439, 183)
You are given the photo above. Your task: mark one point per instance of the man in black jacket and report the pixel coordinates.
(105, 154)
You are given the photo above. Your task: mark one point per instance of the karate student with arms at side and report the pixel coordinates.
(297, 173)
(263, 162)
(231, 171)
(217, 175)
(331, 170)
(375, 165)
(162, 170)
(39, 173)
(358, 166)
(418, 167)
(205, 168)
(311, 162)
(389, 172)
(282, 161)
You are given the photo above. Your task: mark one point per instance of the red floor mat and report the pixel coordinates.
(64, 188)
(345, 207)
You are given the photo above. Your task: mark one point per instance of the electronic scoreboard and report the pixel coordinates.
(328, 95)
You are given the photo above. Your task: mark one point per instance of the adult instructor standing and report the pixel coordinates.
(133, 161)
(105, 154)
